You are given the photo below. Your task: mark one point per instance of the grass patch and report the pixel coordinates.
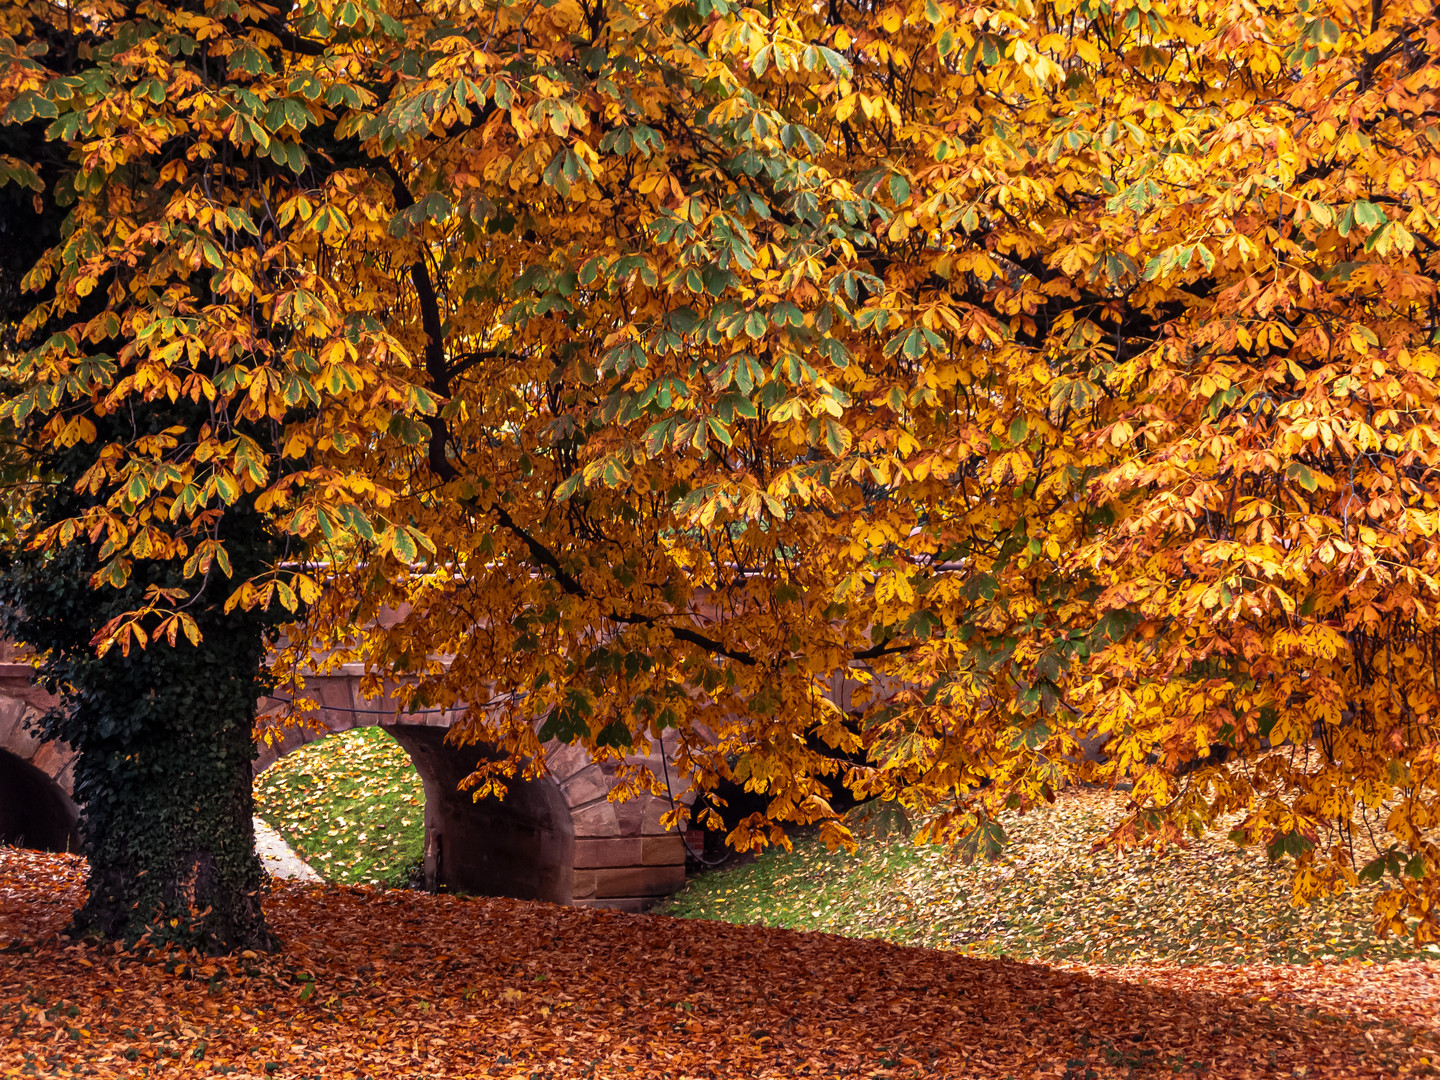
(1049, 898)
(351, 805)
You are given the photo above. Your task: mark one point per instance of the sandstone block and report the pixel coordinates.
(638, 881)
(596, 820)
(596, 853)
(662, 850)
(582, 886)
(586, 786)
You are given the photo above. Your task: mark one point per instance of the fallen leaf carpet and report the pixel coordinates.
(399, 984)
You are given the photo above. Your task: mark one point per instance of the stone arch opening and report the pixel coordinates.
(521, 846)
(35, 812)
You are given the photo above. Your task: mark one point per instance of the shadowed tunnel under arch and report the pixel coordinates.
(34, 811)
(522, 846)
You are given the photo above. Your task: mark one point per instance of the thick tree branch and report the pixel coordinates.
(466, 361)
(435, 366)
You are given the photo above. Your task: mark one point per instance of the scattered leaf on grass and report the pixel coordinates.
(351, 805)
(1050, 897)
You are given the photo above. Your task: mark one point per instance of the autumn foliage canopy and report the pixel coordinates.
(952, 399)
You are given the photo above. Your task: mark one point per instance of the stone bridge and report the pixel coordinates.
(558, 838)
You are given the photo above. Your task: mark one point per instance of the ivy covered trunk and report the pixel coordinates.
(164, 778)
(163, 735)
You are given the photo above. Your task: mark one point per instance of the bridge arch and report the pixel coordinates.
(35, 812)
(522, 845)
(36, 809)
(558, 838)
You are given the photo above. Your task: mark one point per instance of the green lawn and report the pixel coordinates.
(1049, 898)
(351, 805)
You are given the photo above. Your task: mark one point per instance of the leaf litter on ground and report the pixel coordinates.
(380, 984)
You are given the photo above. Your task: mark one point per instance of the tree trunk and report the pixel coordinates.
(163, 740)
(164, 782)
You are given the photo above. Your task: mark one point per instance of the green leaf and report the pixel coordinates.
(1302, 476)
(28, 106)
(614, 734)
(738, 405)
(404, 546)
(571, 484)
(1033, 736)
(922, 624)
(1292, 843)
